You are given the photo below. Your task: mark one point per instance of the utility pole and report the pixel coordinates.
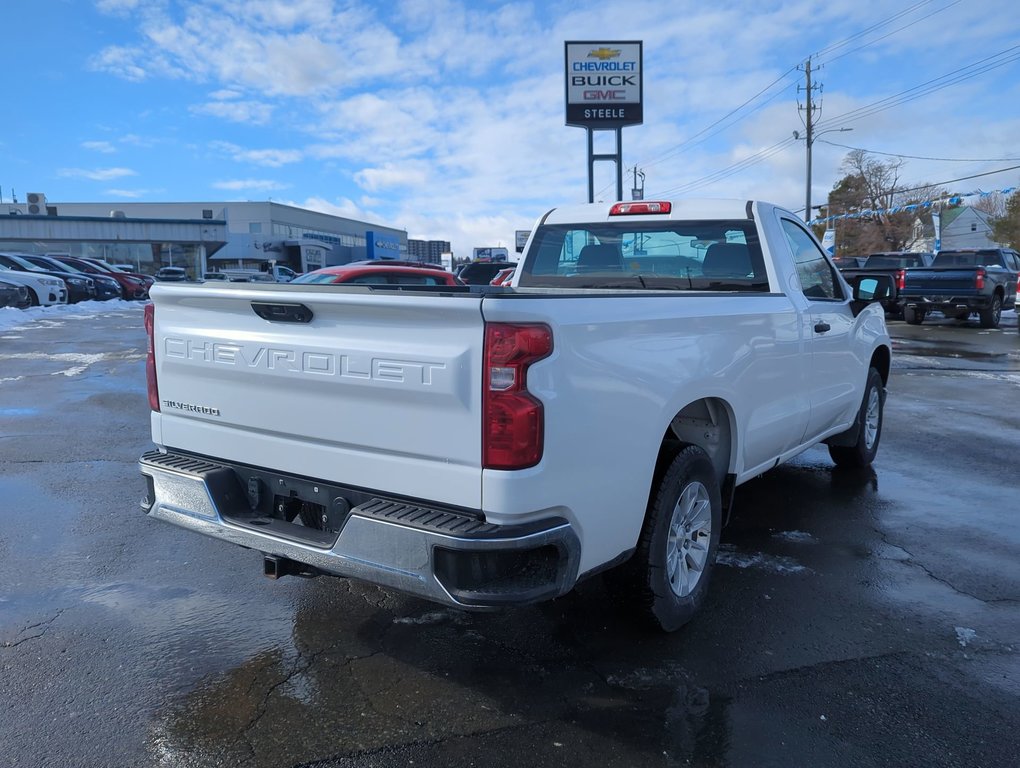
(636, 192)
(809, 112)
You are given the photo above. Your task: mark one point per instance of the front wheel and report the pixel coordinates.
(913, 315)
(667, 578)
(862, 453)
(990, 317)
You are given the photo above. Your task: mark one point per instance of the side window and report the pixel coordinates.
(817, 276)
(372, 278)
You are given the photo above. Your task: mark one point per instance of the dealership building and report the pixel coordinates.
(200, 237)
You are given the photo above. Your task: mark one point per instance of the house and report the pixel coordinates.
(962, 226)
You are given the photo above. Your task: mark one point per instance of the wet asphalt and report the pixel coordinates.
(855, 619)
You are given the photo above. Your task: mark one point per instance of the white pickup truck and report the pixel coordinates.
(484, 446)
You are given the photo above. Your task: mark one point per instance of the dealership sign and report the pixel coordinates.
(604, 86)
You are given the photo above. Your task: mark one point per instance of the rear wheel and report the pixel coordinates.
(667, 578)
(913, 315)
(862, 453)
(990, 317)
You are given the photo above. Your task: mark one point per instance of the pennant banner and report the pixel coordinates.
(954, 200)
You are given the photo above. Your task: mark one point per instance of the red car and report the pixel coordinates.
(379, 274)
(133, 286)
(503, 277)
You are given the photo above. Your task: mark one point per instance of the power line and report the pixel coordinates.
(730, 170)
(921, 157)
(873, 27)
(929, 86)
(689, 141)
(951, 181)
(893, 32)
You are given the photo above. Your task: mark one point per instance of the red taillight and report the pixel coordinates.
(150, 357)
(979, 279)
(512, 429)
(901, 280)
(630, 209)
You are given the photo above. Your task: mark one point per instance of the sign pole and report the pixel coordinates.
(604, 92)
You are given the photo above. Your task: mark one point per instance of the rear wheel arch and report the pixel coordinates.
(708, 424)
(881, 361)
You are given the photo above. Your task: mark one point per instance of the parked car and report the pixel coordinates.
(379, 273)
(79, 287)
(13, 295)
(397, 263)
(278, 274)
(171, 274)
(106, 287)
(42, 289)
(503, 277)
(132, 286)
(216, 276)
(482, 272)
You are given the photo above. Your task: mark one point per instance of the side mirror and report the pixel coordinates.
(867, 289)
(870, 288)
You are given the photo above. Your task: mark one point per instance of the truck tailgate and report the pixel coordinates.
(939, 281)
(379, 389)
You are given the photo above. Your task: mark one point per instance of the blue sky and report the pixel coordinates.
(446, 117)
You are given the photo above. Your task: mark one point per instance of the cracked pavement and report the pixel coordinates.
(858, 619)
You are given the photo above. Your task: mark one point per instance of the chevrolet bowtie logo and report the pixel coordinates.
(602, 54)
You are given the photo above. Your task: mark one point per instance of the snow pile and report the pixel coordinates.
(18, 319)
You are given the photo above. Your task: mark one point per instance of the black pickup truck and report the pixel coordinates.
(961, 282)
(892, 263)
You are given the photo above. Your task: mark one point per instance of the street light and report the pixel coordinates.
(809, 139)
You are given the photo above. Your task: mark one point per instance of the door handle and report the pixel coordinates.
(822, 327)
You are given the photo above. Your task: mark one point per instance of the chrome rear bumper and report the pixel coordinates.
(448, 556)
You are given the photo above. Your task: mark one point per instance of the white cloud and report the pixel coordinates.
(255, 185)
(272, 158)
(122, 61)
(97, 174)
(99, 146)
(119, 7)
(276, 48)
(390, 176)
(132, 194)
(226, 94)
(256, 112)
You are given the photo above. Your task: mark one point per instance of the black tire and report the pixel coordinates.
(870, 418)
(913, 316)
(679, 539)
(33, 298)
(991, 316)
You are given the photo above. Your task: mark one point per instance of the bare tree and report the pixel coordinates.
(871, 187)
(994, 204)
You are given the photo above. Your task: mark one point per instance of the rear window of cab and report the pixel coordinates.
(674, 255)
